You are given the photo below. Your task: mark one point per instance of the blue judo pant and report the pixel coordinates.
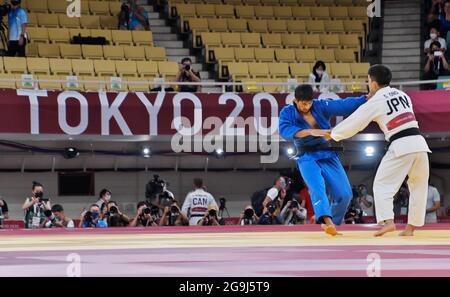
(320, 175)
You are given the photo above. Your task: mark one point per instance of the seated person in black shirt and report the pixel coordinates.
(187, 74)
(436, 64)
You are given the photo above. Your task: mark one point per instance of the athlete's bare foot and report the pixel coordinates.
(409, 231)
(330, 229)
(389, 226)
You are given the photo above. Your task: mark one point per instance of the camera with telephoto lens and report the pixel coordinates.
(50, 216)
(5, 9)
(154, 187)
(113, 210)
(212, 213)
(174, 210)
(249, 213)
(271, 208)
(294, 204)
(146, 211)
(187, 67)
(40, 196)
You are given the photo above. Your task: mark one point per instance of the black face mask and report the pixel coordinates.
(15, 2)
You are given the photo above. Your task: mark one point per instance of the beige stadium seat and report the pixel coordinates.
(147, 69)
(360, 3)
(122, 37)
(108, 22)
(59, 35)
(258, 70)
(344, 3)
(105, 68)
(285, 55)
(350, 41)
(155, 53)
(57, 6)
(251, 2)
(61, 66)
(103, 33)
(359, 70)
(273, 88)
(38, 65)
(334, 26)
(114, 8)
(126, 68)
(305, 55)
(4, 84)
(251, 85)
(279, 70)
(185, 10)
(210, 40)
(329, 40)
(198, 25)
(291, 40)
(135, 53)
(311, 40)
(48, 20)
(218, 25)
(233, 2)
(289, 2)
(99, 7)
(320, 13)
(168, 70)
(32, 20)
(272, 40)
(15, 65)
(143, 84)
(224, 54)
(224, 11)
(79, 32)
(37, 6)
(307, 2)
(90, 51)
(244, 54)
(339, 13)
(251, 39)
(357, 86)
(245, 12)
(93, 83)
(68, 22)
(70, 51)
(345, 55)
(301, 13)
(264, 12)
(82, 67)
(283, 13)
(142, 38)
(341, 70)
(258, 26)
(231, 39)
(50, 85)
(300, 71)
(317, 26)
(237, 25)
(271, 2)
(113, 52)
(264, 54)
(31, 50)
(38, 35)
(205, 10)
(296, 26)
(326, 2)
(48, 50)
(90, 21)
(326, 55)
(354, 26)
(277, 26)
(238, 71)
(358, 13)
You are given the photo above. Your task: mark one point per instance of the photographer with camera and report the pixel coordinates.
(173, 216)
(146, 216)
(436, 65)
(92, 218)
(269, 217)
(114, 216)
(293, 213)
(56, 218)
(211, 218)
(17, 26)
(104, 198)
(3, 211)
(35, 206)
(157, 193)
(248, 217)
(196, 202)
(187, 74)
(133, 17)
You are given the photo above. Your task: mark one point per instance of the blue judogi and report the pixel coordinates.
(321, 169)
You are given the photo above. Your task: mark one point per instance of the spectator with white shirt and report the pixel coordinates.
(434, 36)
(433, 204)
(318, 76)
(365, 201)
(196, 202)
(277, 192)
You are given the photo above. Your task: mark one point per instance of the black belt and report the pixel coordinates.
(319, 147)
(405, 133)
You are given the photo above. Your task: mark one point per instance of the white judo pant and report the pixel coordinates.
(390, 175)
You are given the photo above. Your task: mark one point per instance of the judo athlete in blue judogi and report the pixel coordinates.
(317, 159)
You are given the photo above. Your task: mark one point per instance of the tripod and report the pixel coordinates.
(223, 207)
(3, 38)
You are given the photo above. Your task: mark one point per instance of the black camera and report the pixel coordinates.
(187, 67)
(146, 211)
(174, 210)
(294, 204)
(5, 9)
(222, 203)
(88, 217)
(212, 213)
(50, 216)
(249, 213)
(154, 187)
(113, 210)
(40, 196)
(271, 208)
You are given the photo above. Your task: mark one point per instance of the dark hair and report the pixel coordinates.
(381, 74)
(277, 179)
(112, 202)
(36, 184)
(317, 65)
(103, 192)
(185, 60)
(140, 203)
(174, 202)
(198, 182)
(304, 93)
(436, 43)
(93, 205)
(57, 208)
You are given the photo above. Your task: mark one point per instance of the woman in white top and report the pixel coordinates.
(319, 76)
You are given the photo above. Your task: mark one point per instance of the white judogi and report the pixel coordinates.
(392, 110)
(195, 205)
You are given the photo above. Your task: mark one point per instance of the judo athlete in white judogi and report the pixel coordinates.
(407, 154)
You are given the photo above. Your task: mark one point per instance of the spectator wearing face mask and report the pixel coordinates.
(319, 76)
(276, 193)
(436, 65)
(434, 36)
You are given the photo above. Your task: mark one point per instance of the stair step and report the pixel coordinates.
(403, 31)
(153, 15)
(157, 23)
(165, 37)
(405, 75)
(177, 52)
(401, 53)
(178, 58)
(401, 25)
(402, 4)
(162, 29)
(204, 75)
(148, 8)
(400, 11)
(401, 45)
(399, 18)
(403, 38)
(401, 59)
(404, 67)
(169, 44)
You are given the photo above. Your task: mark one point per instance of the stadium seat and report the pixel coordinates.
(291, 40)
(105, 68)
(108, 22)
(90, 51)
(68, 22)
(251, 2)
(112, 52)
(155, 53)
(358, 13)
(57, 6)
(310, 40)
(305, 55)
(289, 2)
(325, 2)
(59, 35)
(334, 26)
(320, 13)
(70, 51)
(354, 26)
(251, 39)
(60, 66)
(285, 55)
(147, 69)
(99, 7)
(31, 50)
(135, 53)
(244, 54)
(218, 25)
(237, 25)
(5, 84)
(341, 70)
(168, 70)
(82, 67)
(345, 2)
(272, 40)
(344, 55)
(339, 13)
(301, 13)
(224, 11)
(37, 6)
(104, 33)
(283, 12)
(90, 21)
(48, 20)
(114, 8)
(142, 38)
(143, 86)
(224, 54)
(251, 86)
(317, 26)
(50, 85)
(15, 65)
(300, 71)
(210, 40)
(359, 70)
(205, 10)
(49, 50)
(271, 2)
(198, 25)
(307, 2)
(38, 66)
(277, 26)
(273, 88)
(296, 26)
(185, 10)
(349, 41)
(122, 37)
(238, 70)
(245, 12)
(326, 55)
(258, 26)
(258, 70)
(356, 87)
(38, 35)
(32, 20)
(232, 2)
(95, 83)
(329, 40)
(264, 54)
(264, 12)
(279, 70)
(231, 39)
(126, 68)
(79, 32)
